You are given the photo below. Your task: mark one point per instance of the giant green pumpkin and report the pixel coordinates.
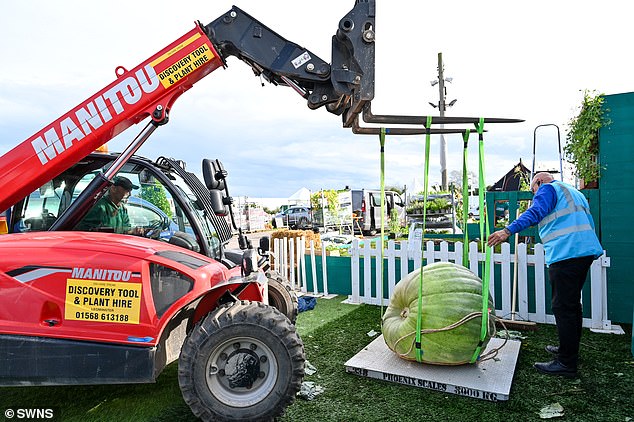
(450, 293)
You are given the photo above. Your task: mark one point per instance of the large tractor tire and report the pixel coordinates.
(243, 362)
(282, 296)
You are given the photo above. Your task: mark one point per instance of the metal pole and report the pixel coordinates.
(441, 109)
(561, 166)
(323, 210)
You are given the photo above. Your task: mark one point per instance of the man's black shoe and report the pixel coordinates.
(554, 367)
(553, 350)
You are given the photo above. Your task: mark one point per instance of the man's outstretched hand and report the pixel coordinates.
(497, 237)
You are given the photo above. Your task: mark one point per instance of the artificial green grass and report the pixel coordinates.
(334, 332)
(603, 392)
(326, 311)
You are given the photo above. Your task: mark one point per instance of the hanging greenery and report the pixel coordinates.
(582, 146)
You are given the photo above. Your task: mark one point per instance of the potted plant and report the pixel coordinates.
(394, 224)
(415, 208)
(441, 205)
(582, 139)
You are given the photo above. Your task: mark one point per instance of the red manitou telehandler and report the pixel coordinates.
(97, 306)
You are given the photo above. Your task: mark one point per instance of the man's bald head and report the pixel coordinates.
(539, 178)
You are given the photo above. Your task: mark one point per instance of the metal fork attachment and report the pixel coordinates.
(382, 119)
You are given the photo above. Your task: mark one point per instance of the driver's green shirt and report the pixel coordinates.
(106, 216)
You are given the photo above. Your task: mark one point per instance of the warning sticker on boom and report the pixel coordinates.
(103, 301)
(183, 62)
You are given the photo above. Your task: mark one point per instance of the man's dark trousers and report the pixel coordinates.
(567, 278)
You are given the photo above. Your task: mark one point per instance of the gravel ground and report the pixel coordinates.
(254, 237)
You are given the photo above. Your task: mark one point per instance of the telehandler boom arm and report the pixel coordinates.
(151, 88)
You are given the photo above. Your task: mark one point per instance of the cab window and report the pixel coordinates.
(41, 208)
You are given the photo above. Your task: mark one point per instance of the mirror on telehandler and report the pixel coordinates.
(218, 202)
(214, 175)
(265, 245)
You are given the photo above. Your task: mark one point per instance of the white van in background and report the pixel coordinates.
(359, 211)
(366, 209)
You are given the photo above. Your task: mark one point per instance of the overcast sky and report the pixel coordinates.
(527, 60)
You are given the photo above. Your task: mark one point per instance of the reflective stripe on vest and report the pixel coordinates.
(572, 207)
(567, 230)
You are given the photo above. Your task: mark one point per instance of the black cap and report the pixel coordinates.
(124, 182)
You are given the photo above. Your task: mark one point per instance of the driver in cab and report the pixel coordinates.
(109, 213)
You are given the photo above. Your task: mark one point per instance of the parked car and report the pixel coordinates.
(296, 217)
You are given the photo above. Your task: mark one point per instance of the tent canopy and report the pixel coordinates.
(301, 196)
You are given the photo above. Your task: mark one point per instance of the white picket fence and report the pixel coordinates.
(287, 254)
(371, 292)
(598, 277)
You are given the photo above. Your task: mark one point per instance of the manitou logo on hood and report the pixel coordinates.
(102, 274)
(79, 123)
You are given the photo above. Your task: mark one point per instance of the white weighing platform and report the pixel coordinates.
(489, 380)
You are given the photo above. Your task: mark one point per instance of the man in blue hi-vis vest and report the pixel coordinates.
(571, 245)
